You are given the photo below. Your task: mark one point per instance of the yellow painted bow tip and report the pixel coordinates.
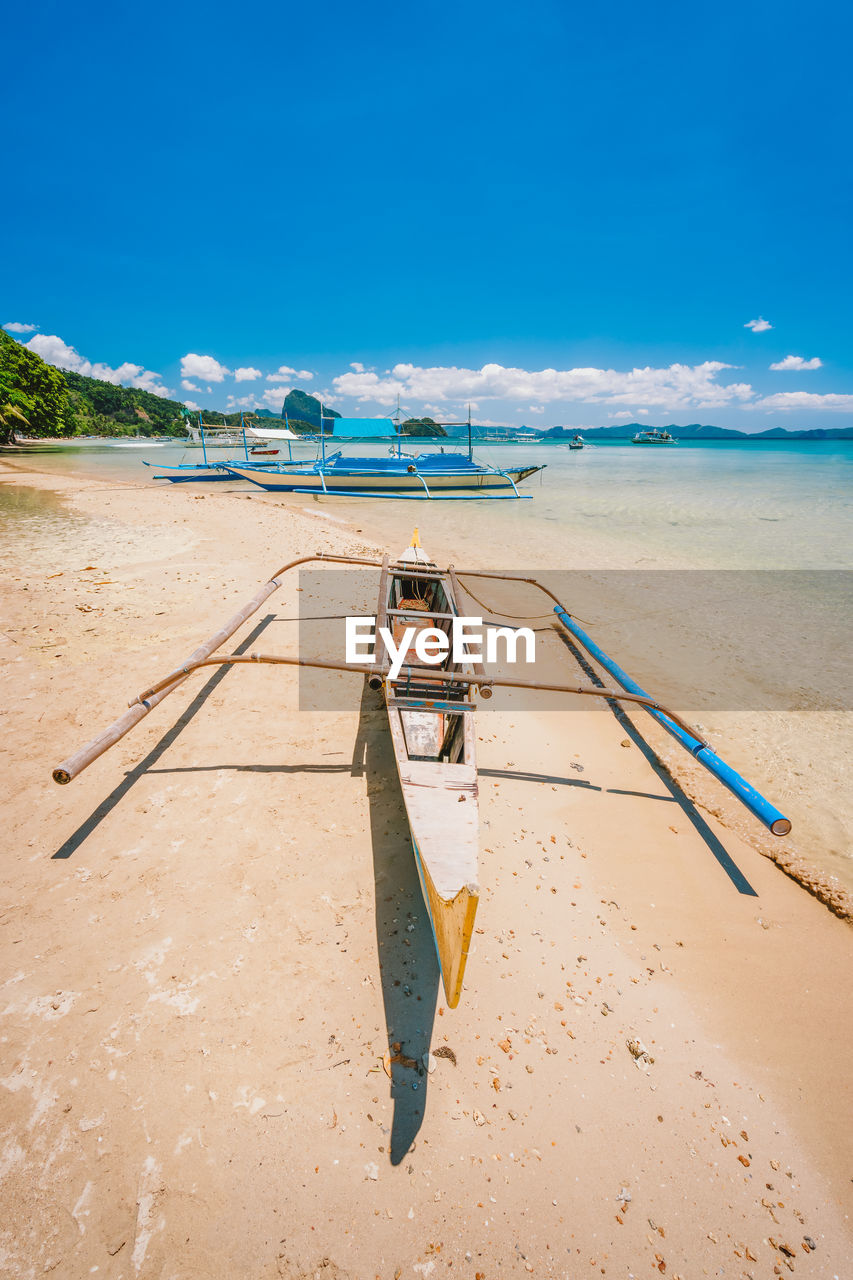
(416, 541)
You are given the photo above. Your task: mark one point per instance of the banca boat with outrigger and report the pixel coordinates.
(208, 471)
(431, 721)
(421, 475)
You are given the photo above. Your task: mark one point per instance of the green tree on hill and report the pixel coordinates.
(421, 427)
(105, 408)
(12, 415)
(35, 389)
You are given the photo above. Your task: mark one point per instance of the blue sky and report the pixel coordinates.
(560, 212)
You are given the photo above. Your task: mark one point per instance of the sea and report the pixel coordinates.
(718, 574)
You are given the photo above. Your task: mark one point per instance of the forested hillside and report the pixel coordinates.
(33, 395)
(38, 400)
(102, 408)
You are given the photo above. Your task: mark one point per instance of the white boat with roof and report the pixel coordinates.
(654, 435)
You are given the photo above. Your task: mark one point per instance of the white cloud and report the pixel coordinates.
(189, 386)
(273, 397)
(135, 376)
(286, 374)
(204, 367)
(758, 326)
(369, 386)
(190, 404)
(242, 402)
(535, 408)
(623, 415)
(678, 386)
(15, 326)
(56, 352)
(247, 374)
(805, 400)
(355, 364)
(797, 364)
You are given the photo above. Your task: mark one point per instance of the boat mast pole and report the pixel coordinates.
(322, 436)
(243, 429)
(470, 444)
(203, 445)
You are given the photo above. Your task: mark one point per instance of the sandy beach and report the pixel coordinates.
(211, 938)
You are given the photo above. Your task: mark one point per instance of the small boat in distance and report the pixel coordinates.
(654, 436)
(577, 442)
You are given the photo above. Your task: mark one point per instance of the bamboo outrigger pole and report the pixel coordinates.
(767, 813)
(629, 690)
(773, 819)
(139, 708)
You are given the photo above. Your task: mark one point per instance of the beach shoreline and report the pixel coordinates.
(189, 980)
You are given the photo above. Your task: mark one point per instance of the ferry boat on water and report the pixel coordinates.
(654, 436)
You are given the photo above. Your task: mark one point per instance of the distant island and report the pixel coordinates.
(40, 401)
(698, 431)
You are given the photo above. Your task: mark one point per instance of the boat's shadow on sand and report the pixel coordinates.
(407, 961)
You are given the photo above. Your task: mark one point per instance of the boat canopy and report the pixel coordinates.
(363, 427)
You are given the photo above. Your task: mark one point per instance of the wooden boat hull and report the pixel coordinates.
(201, 474)
(380, 483)
(445, 838)
(186, 471)
(434, 745)
(452, 922)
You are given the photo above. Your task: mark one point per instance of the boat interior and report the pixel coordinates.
(434, 710)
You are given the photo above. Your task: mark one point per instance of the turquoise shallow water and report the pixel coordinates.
(768, 505)
(720, 505)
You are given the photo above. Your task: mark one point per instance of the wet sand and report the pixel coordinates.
(211, 937)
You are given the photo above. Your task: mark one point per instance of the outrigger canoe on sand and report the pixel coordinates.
(431, 719)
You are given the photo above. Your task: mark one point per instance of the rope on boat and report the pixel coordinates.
(512, 617)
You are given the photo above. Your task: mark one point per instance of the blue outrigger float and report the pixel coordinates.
(431, 721)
